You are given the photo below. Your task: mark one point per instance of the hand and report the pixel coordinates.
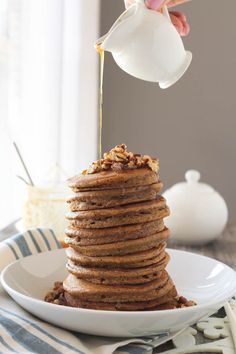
(180, 22)
(177, 18)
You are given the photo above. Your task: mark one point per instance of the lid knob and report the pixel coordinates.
(192, 176)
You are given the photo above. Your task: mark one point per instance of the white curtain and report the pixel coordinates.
(50, 84)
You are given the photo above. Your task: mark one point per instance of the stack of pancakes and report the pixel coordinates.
(117, 240)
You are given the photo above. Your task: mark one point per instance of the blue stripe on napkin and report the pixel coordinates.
(22, 244)
(45, 239)
(55, 239)
(12, 249)
(26, 339)
(2, 341)
(57, 340)
(38, 249)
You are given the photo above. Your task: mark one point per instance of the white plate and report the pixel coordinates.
(209, 282)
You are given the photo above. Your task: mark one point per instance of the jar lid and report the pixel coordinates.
(192, 184)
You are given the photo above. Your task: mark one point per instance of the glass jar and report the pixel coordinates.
(46, 207)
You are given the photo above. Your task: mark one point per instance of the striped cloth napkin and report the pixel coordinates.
(20, 332)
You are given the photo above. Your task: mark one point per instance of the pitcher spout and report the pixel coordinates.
(117, 37)
(111, 42)
(108, 43)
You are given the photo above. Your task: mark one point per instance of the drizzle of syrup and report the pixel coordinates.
(63, 244)
(101, 54)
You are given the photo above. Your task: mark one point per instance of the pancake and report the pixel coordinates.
(120, 248)
(113, 197)
(122, 233)
(165, 302)
(135, 260)
(119, 275)
(119, 281)
(129, 231)
(88, 291)
(113, 179)
(118, 216)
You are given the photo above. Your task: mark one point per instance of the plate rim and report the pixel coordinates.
(207, 304)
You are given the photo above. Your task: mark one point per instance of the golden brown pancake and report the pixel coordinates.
(119, 275)
(120, 248)
(135, 260)
(117, 216)
(113, 179)
(165, 302)
(129, 231)
(84, 237)
(108, 198)
(88, 291)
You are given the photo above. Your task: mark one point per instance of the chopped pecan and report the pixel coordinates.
(119, 158)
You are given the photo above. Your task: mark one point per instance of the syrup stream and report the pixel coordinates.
(102, 55)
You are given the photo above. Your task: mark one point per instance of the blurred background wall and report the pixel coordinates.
(193, 123)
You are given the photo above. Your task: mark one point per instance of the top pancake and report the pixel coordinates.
(113, 179)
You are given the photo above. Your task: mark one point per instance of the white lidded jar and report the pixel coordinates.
(199, 214)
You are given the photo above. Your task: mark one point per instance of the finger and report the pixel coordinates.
(172, 3)
(186, 29)
(177, 23)
(180, 15)
(154, 4)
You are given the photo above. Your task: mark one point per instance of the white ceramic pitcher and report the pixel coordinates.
(145, 44)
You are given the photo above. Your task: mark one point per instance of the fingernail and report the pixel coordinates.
(154, 4)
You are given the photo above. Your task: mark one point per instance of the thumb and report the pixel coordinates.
(154, 4)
